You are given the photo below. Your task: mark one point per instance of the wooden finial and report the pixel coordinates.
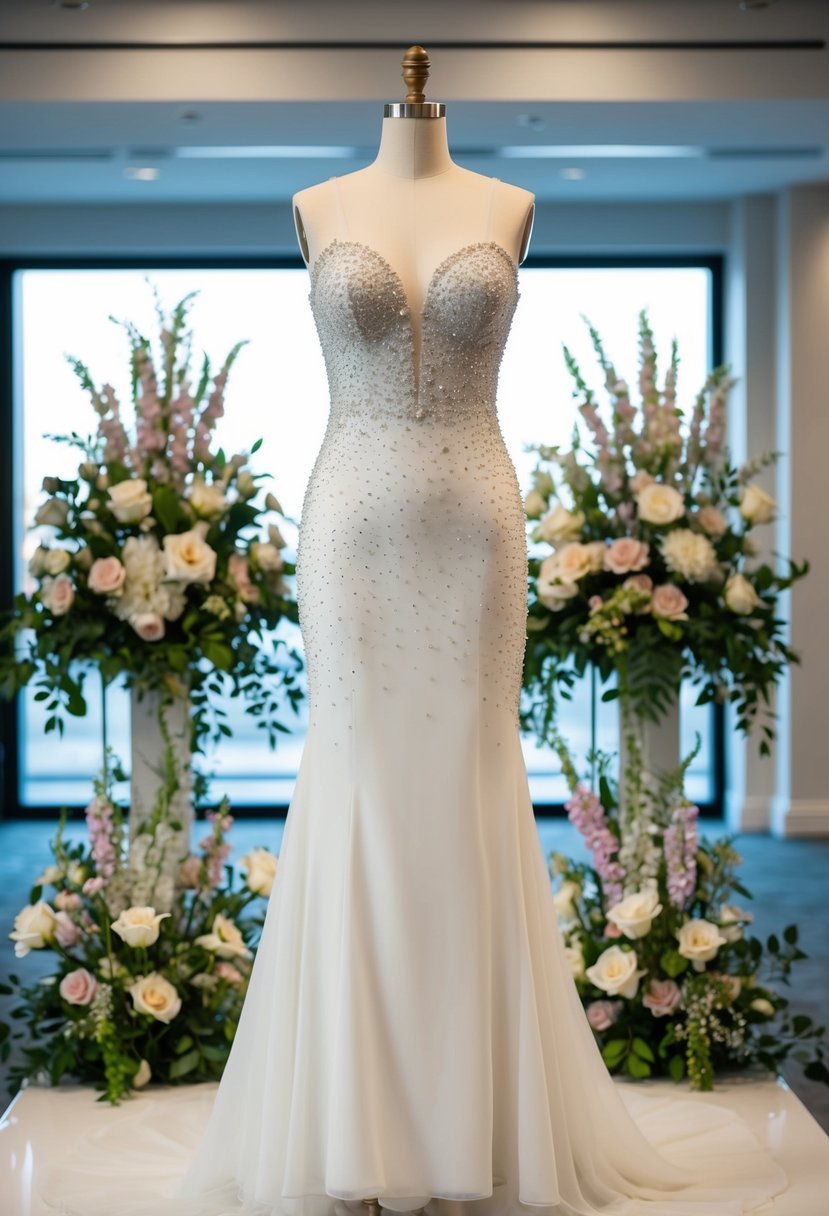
(415, 73)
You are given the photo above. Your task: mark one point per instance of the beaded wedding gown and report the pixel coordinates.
(412, 1030)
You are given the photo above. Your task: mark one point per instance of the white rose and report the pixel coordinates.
(225, 940)
(129, 501)
(635, 913)
(535, 505)
(207, 500)
(564, 900)
(699, 941)
(740, 596)
(658, 504)
(260, 865)
(712, 521)
(575, 961)
(57, 594)
(690, 555)
(559, 525)
(142, 1076)
(266, 556)
(550, 591)
(756, 506)
(156, 996)
(615, 972)
(733, 919)
(139, 926)
(56, 561)
(34, 928)
(188, 558)
(640, 480)
(595, 551)
(761, 1005)
(51, 876)
(573, 561)
(53, 513)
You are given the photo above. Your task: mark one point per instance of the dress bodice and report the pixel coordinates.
(367, 333)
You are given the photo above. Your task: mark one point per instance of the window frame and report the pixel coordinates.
(10, 805)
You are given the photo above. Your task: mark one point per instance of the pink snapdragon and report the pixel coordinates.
(214, 846)
(102, 835)
(586, 813)
(680, 846)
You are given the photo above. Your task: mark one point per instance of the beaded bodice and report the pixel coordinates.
(384, 361)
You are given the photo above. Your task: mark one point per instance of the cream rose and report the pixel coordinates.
(732, 920)
(139, 926)
(756, 506)
(640, 480)
(595, 551)
(53, 513)
(266, 556)
(564, 900)
(699, 941)
(626, 554)
(535, 505)
(207, 500)
(143, 1076)
(635, 913)
(740, 596)
(575, 961)
(56, 561)
(615, 972)
(225, 940)
(761, 1005)
(559, 525)
(668, 602)
(260, 865)
(106, 576)
(57, 594)
(154, 995)
(552, 593)
(712, 521)
(690, 555)
(573, 561)
(660, 505)
(78, 987)
(34, 928)
(188, 558)
(129, 501)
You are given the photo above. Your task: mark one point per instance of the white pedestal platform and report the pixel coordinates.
(44, 1126)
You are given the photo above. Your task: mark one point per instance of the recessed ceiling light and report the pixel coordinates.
(141, 173)
(532, 122)
(573, 174)
(189, 116)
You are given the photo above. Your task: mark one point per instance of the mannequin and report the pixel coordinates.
(413, 205)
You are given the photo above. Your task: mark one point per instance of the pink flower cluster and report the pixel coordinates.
(680, 846)
(586, 813)
(214, 846)
(102, 835)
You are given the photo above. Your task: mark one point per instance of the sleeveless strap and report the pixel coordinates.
(493, 183)
(340, 208)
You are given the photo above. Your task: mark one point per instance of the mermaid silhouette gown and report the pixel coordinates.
(412, 1030)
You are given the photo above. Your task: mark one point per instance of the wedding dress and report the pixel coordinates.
(412, 1030)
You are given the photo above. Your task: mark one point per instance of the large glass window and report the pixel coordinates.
(278, 393)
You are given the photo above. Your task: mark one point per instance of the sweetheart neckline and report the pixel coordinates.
(410, 312)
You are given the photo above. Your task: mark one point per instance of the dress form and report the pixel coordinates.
(413, 205)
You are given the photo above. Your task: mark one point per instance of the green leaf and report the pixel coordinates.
(672, 963)
(184, 1044)
(613, 1052)
(636, 1067)
(183, 1065)
(167, 508)
(642, 1050)
(676, 1068)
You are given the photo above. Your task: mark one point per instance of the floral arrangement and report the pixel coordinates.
(671, 980)
(133, 993)
(645, 554)
(152, 561)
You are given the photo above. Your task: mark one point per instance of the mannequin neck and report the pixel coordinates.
(413, 148)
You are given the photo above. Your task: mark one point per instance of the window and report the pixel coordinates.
(278, 393)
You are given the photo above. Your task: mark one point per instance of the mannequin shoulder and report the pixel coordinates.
(310, 207)
(514, 209)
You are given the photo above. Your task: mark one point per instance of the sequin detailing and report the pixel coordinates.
(412, 552)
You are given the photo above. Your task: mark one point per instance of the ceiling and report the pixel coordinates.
(595, 99)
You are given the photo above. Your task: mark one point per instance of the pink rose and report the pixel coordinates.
(669, 602)
(93, 885)
(189, 872)
(106, 576)
(57, 594)
(238, 572)
(66, 931)
(78, 987)
(148, 625)
(226, 971)
(602, 1014)
(67, 900)
(661, 997)
(611, 929)
(595, 602)
(626, 554)
(642, 582)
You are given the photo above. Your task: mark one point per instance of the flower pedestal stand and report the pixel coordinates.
(652, 745)
(161, 788)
